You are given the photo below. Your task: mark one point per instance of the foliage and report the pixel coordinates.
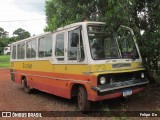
(3, 42)
(18, 35)
(21, 34)
(4, 61)
(141, 15)
(62, 12)
(150, 40)
(3, 33)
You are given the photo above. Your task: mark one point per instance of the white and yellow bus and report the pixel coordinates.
(82, 60)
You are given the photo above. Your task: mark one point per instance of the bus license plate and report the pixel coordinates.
(127, 93)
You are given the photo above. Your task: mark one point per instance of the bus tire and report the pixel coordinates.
(26, 87)
(83, 102)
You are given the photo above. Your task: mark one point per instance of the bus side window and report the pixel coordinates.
(75, 51)
(21, 50)
(45, 46)
(31, 47)
(59, 49)
(72, 50)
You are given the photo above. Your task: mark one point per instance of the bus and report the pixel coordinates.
(81, 60)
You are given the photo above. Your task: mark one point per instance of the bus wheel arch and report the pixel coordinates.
(22, 78)
(80, 91)
(74, 90)
(27, 88)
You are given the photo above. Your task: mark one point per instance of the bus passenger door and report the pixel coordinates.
(76, 57)
(59, 64)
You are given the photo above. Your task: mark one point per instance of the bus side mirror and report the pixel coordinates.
(74, 39)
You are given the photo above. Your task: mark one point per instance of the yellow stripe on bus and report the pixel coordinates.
(46, 66)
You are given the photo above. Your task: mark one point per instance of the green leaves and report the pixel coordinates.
(137, 14)
(62, 12)
(21, 34)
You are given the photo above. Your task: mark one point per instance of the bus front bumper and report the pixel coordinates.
(118, 89)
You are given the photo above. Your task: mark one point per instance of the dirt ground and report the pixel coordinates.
(13, 98)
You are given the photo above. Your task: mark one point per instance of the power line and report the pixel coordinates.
(23, 20)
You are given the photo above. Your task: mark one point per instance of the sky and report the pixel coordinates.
(26, 14)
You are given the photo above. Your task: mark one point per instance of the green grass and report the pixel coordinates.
(4, 61)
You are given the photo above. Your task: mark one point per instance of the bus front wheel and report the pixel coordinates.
(26, 87)
(83, 102)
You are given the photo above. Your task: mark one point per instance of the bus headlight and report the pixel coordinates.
(102, 80)
(142, 75)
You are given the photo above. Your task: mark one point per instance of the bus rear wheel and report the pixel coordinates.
(83, 102)
(26, 87)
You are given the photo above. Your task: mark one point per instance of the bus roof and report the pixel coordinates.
(33, 37)
(59, 29)
(78, 23)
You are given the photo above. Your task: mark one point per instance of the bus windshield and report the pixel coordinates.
(103, 45)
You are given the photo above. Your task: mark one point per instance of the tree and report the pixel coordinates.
(140, 15)
(150, 40)
(20, 34)
(62, 12)
(3, 33)
(3, 39)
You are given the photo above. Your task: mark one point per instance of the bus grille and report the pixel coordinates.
(121, 77)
